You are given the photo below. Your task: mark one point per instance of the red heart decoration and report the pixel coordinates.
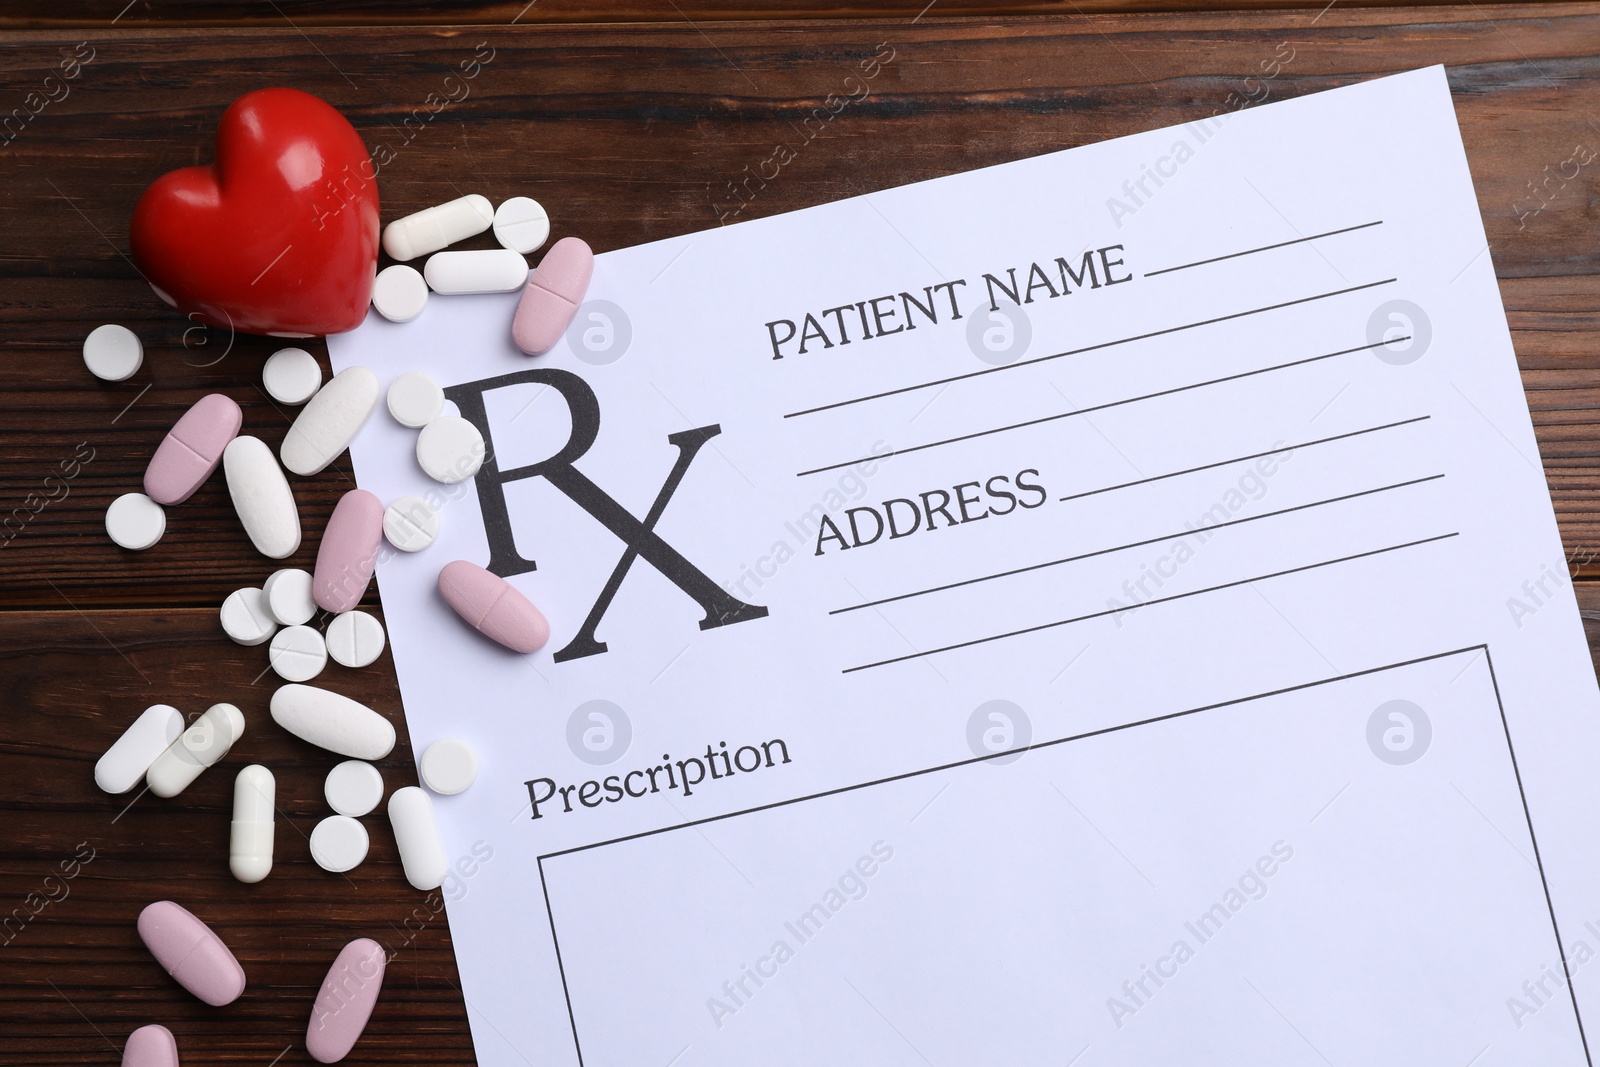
(278, 236)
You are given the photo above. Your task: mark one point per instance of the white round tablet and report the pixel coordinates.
(448, 766)
(245, 617)
(450, 449)
(521, 224)
(410, 524)
(354, 639)
(399, 293)
(135, 521)
(297, 653)
(339, 843)
(289, 598)
(112, 352)
(354, 788)
(415, 399)
(291, 376)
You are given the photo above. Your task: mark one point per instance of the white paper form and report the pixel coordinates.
(1104, 608)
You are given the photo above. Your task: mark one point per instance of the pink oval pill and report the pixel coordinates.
(150, 1046)
(552, 296)
(349, 549)
(192, 449)
(191, 953)
(344, 1004)
(493, 607)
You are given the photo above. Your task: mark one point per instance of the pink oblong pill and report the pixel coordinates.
(349, 549)
(552, 296)
(192, 449)
(150, 1046)
(493, 607)
(191, 953)
(344, 1004)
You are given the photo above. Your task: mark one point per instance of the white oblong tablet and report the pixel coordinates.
(521, 224)
(437, 227)
(410, 524)
(289, 599)
(415, 399)
(417, 833)
(399, 293)
(135, 522)
(354, 639)
(450, 449)
(326, 425)
(448, 766)
(112, 353)
(487, 270)
(333, 722)
(250, 835)
(261, 497)
(353, 788)
(246, 617)
(202, 745)
(339, 843)
(291, 376)
(297, 654)
(124, 764)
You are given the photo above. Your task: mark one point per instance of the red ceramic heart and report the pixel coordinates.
(278, 236)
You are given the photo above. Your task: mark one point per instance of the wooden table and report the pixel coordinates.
(636, 129)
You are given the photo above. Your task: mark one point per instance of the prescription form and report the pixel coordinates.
(1104, 608)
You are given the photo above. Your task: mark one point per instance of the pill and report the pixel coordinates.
(291, 376)
(448, 766)
(150, 1046)
(399, 293)
(487, 270)
(521, 224)
(450, 449)
(246, 617)
(192, 449)
(345, 1001)
(338, 844)
(191, 952)
(112, 352)
(348, 551)
(331, 721)
(250, 835)
(552, 296)
(261, 496)
(353, 788)
(437, 227)
(328, 422)
(416, 832)
(415, 399)
(135, 522)
(203, 744)
(297, 654)
(124, 764)
(410, 524)
(493, 606)
(354, 639)
(288, 593)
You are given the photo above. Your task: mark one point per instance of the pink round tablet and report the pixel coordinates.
(348, 551)
(191, 953)
(493, 607)
(192, 449)
(552, 296)
(344, 1004)
(150, 1046)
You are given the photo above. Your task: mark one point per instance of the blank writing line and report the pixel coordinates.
(1137, 544)
(1147, 603)
(1087, 348)
(1263, 248)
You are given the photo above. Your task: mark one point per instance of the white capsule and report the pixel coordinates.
(288, 594)
(297, 654)
(417, 833)
(246, 618)
(450, 449)
(437, 227)
(291, 376)
(130, 756)
(354, 639)
(250, 836)
(339, 843)
(113, 353)
(333, 722)
(326, 425)
(262, 497)
(488, 270)
(448, 766)
(399, 293)
(410, 524)
(135, 522)
(415, 399)
(353, 788)
(521, 224)
(204, 743)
